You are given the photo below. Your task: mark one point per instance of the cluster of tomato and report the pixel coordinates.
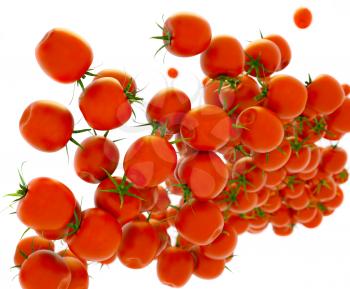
(247, 158)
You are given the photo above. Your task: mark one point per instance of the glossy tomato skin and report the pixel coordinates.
(333, 160)
(175, 266)
(149, 161)
(224, 56)
(98, 237)
(191, 217)
(111, 202)
(68, 253)
(46, 125)
(286, 52)
(211, 92)
(126, 80)
(44, 270)
(207, 268)
(205, 174)
(302, 17)
(93, 100)
(29, 245)
(97, 153)
(206, 128)
(168, 107)
(139, 246)
(263, 130)
(63, 55)
(339, 120)
(79, 274)
(47, 205)
(190, 34)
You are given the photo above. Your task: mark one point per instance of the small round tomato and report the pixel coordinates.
(302, 17)
(319, 91)
(307, 176)
(255, 120)
(149, 197)
(206, 128)
(168, 107)
(275, 178)
(126, 80)
(224, 57)
(341, 177)
(163, 201)
(211, 92)
(286, 52)
(46, 204)
(191, 217)
(186, 34)
(239, 224)
(336, 201)
(96, 155)
(149, 161)
(263, 57)
(64, 55)
(44, 270)
(325, 189)
(299, 203)
(283, 231)
(263, 196)
(139, 245)
(339, 120)
(175, 266)
(315, 159)
(207, 268)
(119, 198)
(172, 72)
(286, 96)
(333, 159)
(79, 274)
(56, 132)
(68, 253)
(28, 246)
(273, 204)
(315, 222)
(294, 187)
(300, 157)
(242, 202)
(281, 217)
(205, 174)
(305, 215)
(97, 236)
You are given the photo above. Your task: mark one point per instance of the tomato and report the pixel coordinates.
(109, 260)
(168, 107)
(171, 214)
(46, 204)
(273, 204)
(300, 157)
(149, 196)
(211, 92)
(79, 274)
(247, 176)
(206, 128)
(207, 268)
(315, 222)
(254, 121)
(283, 231)
(186, 34)
(224, 57)
(95, 155)
(258, 220)
(263, 196)
(307, 176)
(97, 236)
(191, 217)
(239, 224)
(205, 174)
(223, 246)
(281, 217)
(56, 132)
(175, 267)
(253, 230)
(242, 202)
(274, 160)
(286, 52)
(333, 159)
(149, 161)
(68, 253)
(305, 215)
(163, 201)
(336, 201)
(315, 159)
(302, 17)
(28, 246)
(92, 103)
(44, 270)
(342, 177)
(263, 57)
(139, 244)
(339, 120)
(286, 96)
(319, 91)
(294, 187)
(119, 198)
(275, 178)
(126, 80)
(64, 55)
(325, 189)
(312, 130)
(172, 72)
(300, 202)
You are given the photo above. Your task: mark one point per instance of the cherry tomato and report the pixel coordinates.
(126, 80)
(239, 224)
(283, 231)
(336, 201)
(300, 157)
(68, 253)
(315, 222)
(342, 177)
(163, 201)
(207, 268)
(79, 274)
(275, 178)
(305, 215)
(273, 204)
(172, 72)
(57, 130)
(281, 217)
(302, 17)
(333, 160)
(339, 120)
(286, 53)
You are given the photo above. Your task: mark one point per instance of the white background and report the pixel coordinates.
(119, 32)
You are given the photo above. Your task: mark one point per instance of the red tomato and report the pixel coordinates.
(333, 160)
(139, 244)
(339, 120)
(336, 201)
(342, 177)
(149, 161)
(255, 121)
(302, 17)
(205, 174)
(191, 217)
(239, 224)
(47, 204)
(206, 128)
(44, 270)
(186, 34)
(175, 266)
(300, 157)
(224, 57)
(168, 107)
(211, 92)
(79, 274)
(242, 202)
(315, 159)
(207, 268)
(92, 103)
(286, 53)
(97, 236)
(64, 55)
(68, 253)
(163, 201)
(56, 132)
(95, 155)
(283, 231)
(305, 215)
(275, 178)
(149, 196)
(126, 80)
(119, 198)
(315, 222)
(294, 188)
(28, 246)
(273, 204)
(172, 72)
(299, 203)
(281, 217)
(263, 196)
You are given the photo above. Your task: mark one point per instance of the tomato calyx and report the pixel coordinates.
(255, 65)
(296, 144)
(132, 95)
(87, 73)
(21, 192)
(156, 127)
(264, 90)
(227, 81)
(321, 207)
(291, 181)
(187, 193)
(260, 213)
(122, 188)
(166, 37)
(74, 226)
